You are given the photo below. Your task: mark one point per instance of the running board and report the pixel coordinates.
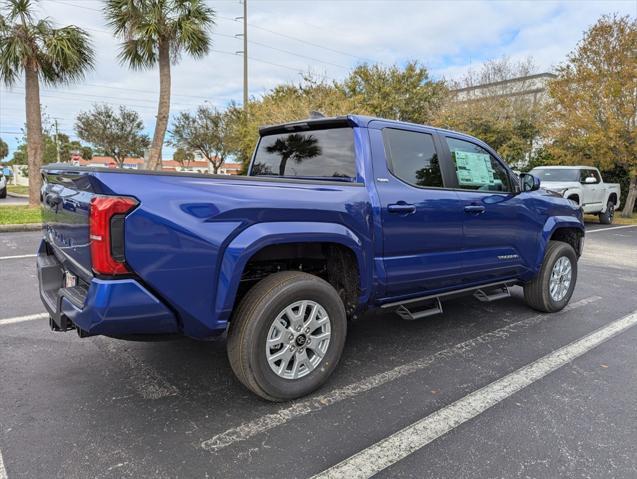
(486, 292)
(493, 295)
(409, 315)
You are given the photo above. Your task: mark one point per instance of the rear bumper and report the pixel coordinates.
(121, 307)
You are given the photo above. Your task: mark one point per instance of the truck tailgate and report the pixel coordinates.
(66, 198)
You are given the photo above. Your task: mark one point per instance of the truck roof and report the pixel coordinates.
(558, 167)
(345, 120)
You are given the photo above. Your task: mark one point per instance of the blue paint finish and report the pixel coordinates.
(552, 224)
(257, 237)
(191, 236)
(120, 307)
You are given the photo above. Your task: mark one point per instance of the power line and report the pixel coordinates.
(299, 40)
(75, 94)
(70, 96)
(298, 55)
(298, 70)
(316, 45)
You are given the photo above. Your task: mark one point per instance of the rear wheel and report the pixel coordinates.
(3, 193)
(287, 335)
(607, 216)
(553, 287)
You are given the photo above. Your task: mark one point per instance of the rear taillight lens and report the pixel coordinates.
(107, 233)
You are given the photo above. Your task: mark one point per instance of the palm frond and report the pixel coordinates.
(193, 26)
(124, 15)
(139, 53)
(15, 50)
(19, 11)
(68, 55)
(184, 25)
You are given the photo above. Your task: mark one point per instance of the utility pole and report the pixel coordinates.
(57, 141)
(245, 52)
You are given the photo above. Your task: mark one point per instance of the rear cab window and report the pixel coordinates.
(326, 154)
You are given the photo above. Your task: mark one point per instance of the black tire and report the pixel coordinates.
(251, 323)
(606, 218)
(536, 292)
(3, 193)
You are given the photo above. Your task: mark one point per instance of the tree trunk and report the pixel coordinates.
(34, 133)
(163, 109)
(629, 204)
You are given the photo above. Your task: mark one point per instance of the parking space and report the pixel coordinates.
(99, 407)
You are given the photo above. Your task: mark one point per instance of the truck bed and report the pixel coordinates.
(177, 235)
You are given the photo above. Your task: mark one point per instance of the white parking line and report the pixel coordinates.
(3, 471)
(20, 319)
(384, 453)
(307, 406)
(610, 229)
(19, 256)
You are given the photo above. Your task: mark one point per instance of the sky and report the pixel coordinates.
(326, 37)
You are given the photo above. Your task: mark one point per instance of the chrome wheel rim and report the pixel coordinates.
(611, 211)
(298, 339)
(561, 277)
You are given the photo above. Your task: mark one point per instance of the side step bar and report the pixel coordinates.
(409, 315)
(484, 293)
(493, 295)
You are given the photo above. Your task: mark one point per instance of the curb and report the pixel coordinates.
(17, 228)
(16, 195)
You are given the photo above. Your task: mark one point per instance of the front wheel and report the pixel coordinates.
(287, 335)
(607, 216)
(553, 287)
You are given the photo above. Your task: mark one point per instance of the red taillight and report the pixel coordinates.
(103, 210)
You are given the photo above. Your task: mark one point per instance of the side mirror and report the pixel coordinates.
(529, 182)
(590, 180)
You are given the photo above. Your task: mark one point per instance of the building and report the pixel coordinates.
(532, 87)
(196, 166)
(201, 166)
(108, 162)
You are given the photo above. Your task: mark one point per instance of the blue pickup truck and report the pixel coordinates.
(335, 216)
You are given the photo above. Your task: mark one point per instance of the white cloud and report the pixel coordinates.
(447, 37)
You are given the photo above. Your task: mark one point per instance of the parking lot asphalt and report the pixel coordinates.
(13, 200)
(98, 407)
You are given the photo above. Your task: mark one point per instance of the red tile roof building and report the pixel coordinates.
(196, 166)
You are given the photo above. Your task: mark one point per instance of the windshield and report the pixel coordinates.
(556, 174)
(316, 153)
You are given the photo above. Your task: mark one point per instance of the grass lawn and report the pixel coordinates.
(618, 220)
(22, 190)
(19, 215)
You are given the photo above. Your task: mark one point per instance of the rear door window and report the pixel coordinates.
(412, 157)
(314, 154)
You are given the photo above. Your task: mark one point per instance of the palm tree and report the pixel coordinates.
(156, 32)
(43, 53)
(295, 147)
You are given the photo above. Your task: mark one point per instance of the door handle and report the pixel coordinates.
(474, 209)
(401, 208)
